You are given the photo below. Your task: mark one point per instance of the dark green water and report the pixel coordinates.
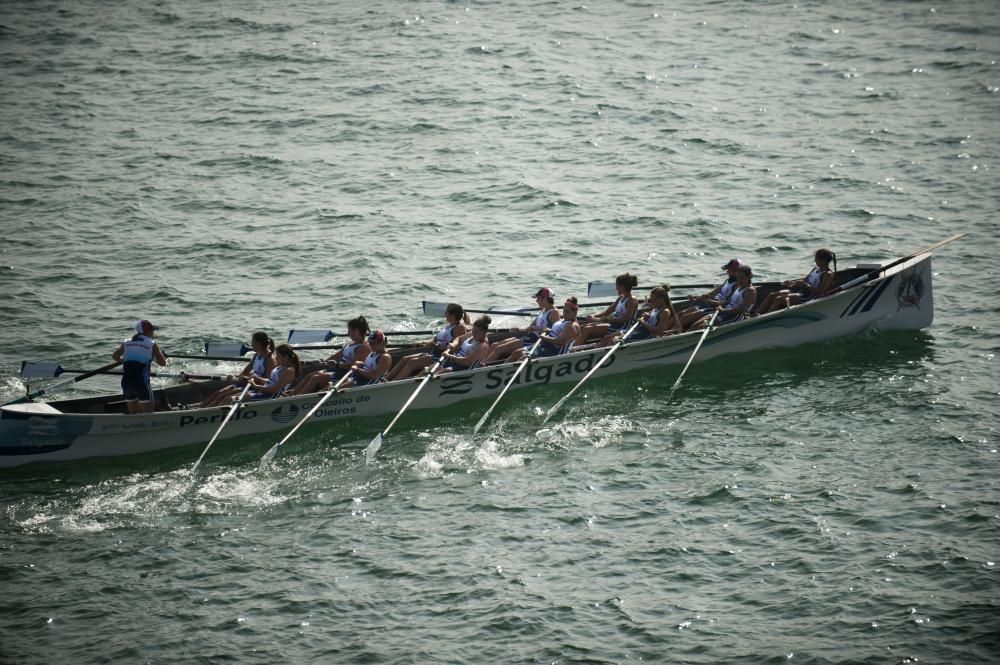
(220, 168)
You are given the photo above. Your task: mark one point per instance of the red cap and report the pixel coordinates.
(376, 336)
(547, 293)
(733, 264)
(144, 327)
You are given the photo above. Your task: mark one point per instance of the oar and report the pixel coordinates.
(691, 358)
(269, 455)
(75, 379)
(46, 370)
(376, 443)
(310, 337)
(875, 273)
(517, 373)
(439, 309)
(614, 347)
(232, 410)
(606, 289)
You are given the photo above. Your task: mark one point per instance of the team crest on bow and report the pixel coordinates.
(910, 291)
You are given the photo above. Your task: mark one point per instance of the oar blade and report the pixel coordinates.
(309, 336)
(268, 456)
(225, 349)
(372, 448)
(436, 309)
(601, 289)
(40, 370)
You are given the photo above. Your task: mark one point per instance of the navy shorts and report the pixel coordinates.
(135, 382)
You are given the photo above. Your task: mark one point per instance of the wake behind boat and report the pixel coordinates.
(898, 296)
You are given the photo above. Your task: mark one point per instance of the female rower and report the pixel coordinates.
(372, 369)
(816, 284)
(660, 320)
(260, 366)
(546, 319)
(739, 304)
(283, 376)
(564, 333)
(616, 318)
(340, 362)
(699, 306)
(413, 363)
(137, 353)
(472, 348)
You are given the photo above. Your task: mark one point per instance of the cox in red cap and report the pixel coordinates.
(144, 327)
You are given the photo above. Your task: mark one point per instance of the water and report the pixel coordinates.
(223, 167)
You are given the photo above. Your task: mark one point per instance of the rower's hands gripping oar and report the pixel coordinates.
(60, 384)
(232, 410)
(697, 346)
(593, 369)
(269, 455)
(376, 443)
(517, 373)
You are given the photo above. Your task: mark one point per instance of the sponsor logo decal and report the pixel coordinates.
(910, 291)
(533, 374)
(285, 413)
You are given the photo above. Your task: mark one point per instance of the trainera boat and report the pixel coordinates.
(895, 296)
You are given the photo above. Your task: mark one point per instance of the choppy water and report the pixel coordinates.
(222, 167)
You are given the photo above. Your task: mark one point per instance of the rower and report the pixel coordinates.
(471, 348)
(819, 282)
(660, 320)
(372, 369)
(338, 364)
(564, 333)
(545, 298)
(409, 365)
(740, 302)
(618, 316)
(286, 370)
(260, 366)
(138, 353)
(699, 306)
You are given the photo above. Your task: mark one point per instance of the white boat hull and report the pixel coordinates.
(901, 299)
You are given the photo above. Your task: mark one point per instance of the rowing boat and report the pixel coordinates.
(898, 298)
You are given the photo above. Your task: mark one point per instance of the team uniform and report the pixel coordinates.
(621, 308)
(347, 356)
(735, 301)
(443, 339)
(254, 395)
(642, 332)
(725, 291)
(813, 279)
(547, 348)
(537, 327)
(371, 362)
(464, 350)
(136, 360)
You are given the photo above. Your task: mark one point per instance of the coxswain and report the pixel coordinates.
(137, 353)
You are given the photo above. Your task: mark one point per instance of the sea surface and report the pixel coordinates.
(223, 167)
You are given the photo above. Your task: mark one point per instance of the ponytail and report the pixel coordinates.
(289, 352)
